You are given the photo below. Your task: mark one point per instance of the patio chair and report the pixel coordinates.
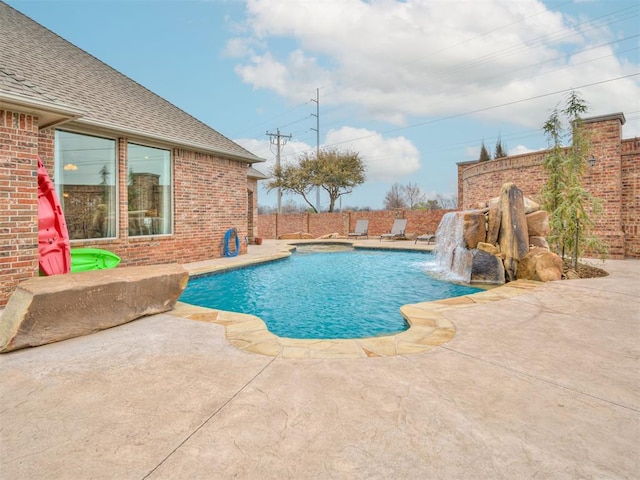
(362, 229)
(397, 230)
(427, 237)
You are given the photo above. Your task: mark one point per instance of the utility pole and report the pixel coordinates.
(317, 129)
(276, 140)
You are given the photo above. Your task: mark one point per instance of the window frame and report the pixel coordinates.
(170, 187)
(59, 177)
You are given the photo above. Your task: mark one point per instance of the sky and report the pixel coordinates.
(413, 86)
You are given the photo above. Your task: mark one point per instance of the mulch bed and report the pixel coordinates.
(582, 271)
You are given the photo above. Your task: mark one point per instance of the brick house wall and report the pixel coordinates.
(613, 179)
(319, 224)
(210, 196)
(18, 200)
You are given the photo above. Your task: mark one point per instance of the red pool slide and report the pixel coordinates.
(54, 248)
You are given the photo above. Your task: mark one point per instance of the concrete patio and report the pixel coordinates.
(544, 384)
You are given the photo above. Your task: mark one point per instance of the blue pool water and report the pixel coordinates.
(341, 293)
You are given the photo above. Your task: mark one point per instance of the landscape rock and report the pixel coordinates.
(295, 236)
(538, 242)
(493, 222)
(530, 206)
(538, 223)
(49, 309)
(487, 268)
(541, 265)
(488, 247)
(514, 236)
(474, 228)
(571, 274)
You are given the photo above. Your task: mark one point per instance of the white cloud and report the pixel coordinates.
(289, 151)
(472, 152)
(386, 159)
(399, 60)
(238, 47)
(519, 150)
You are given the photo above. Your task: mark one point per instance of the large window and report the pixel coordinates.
(85, 178)
(149, 190)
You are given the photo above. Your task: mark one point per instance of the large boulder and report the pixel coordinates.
(474, 230)
(538, 223)
(486, 268)
(514, 236)
(488, 247)
(540, 264)
(493, 222)
(49, 309)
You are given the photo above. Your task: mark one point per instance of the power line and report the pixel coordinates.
(599, 22)
(484, 109)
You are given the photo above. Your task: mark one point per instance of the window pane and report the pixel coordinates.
(85, 177)
(149, 190)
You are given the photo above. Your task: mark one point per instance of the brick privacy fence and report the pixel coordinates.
(319, 224)
(614, 179)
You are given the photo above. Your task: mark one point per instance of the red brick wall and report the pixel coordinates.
(210, 196)
(612, 179)
(252, 213)
(631, 196)
(604, 181)
(482, 180)
(319, 224)
(18, 200)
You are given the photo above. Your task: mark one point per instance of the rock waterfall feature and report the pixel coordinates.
(502, 240)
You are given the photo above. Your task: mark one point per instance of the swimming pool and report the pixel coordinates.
(326, 293)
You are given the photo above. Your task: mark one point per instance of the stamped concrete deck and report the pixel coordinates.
(545, 384)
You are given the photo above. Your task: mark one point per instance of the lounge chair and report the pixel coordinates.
(397, 230)
(362, 229)
(427, 237)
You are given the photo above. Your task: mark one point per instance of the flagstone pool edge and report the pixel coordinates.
(428, 326)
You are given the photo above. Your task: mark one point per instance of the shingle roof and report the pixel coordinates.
(38, 64)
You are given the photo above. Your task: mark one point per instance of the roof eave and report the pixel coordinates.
(49, 113)
(257, 174)
(176, 142)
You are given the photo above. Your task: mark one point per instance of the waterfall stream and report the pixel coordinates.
(452, 260)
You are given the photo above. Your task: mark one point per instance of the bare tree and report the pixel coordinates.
(413, 195)
(449, 202)
(395, 198)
